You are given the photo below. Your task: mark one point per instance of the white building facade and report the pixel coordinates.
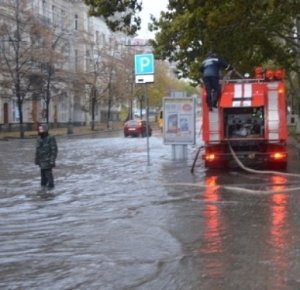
(76, 35)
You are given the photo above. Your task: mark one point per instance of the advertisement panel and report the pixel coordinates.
(179, 120)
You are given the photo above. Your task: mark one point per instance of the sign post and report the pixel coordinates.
(144, 74)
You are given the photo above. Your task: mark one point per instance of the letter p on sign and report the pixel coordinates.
(144, 64)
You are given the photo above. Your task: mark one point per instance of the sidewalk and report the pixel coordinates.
(81, 130)
(294, 140)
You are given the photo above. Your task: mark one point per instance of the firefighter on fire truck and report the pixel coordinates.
(210, 68)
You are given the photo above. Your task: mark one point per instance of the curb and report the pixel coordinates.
(59, 135)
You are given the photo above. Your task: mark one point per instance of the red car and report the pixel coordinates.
(136, 128)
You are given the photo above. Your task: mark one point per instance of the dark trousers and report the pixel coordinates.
(47, 178)
(212, 90)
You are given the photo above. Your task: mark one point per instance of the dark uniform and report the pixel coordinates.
(45, 156)
(210, 69)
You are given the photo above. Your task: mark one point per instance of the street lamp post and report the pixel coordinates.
(131, 95)
(70, 125)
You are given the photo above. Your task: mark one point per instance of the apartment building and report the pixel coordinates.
(75, 37)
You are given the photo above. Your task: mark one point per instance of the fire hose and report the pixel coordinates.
(242, 166)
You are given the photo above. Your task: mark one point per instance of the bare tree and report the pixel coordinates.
(53, 59)
(94, 83)
(118, 71)
(106, 76)
(21, 36)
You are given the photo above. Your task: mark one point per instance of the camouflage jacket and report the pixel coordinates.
(46, 152)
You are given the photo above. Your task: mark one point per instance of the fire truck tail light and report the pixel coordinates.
(210, 157)
(278, 155)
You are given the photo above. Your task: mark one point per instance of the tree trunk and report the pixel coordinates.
(93, 113)
(47, 109)
(109, 113)
(21, 126)
(298, 62)
(48, 95)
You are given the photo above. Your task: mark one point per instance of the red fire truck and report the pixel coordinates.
(250, 121)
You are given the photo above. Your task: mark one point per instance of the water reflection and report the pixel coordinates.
(212, 240)
(279, 232)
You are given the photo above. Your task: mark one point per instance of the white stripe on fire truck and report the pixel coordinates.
(242, 91)
(237, 95)
(247, 94)
(214, 126)
(247, 90)
(273, 112)
(237, 91)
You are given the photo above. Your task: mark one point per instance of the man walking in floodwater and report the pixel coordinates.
(45, 155)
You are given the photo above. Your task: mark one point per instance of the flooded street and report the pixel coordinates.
(114, 223)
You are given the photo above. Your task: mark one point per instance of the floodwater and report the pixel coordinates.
(113, 222)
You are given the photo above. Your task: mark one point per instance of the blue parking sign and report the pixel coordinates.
(144, 64)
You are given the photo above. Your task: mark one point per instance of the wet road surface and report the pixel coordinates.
(114, 223)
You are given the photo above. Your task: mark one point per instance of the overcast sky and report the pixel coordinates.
(150, 7)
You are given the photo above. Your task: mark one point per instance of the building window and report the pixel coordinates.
(76, 59)
(44, 8)
(16, 114)
(97, 36)
(33, 4)
(103, 41)
(54, 14)
(62, 18)
(76, 22)
(88, 60)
